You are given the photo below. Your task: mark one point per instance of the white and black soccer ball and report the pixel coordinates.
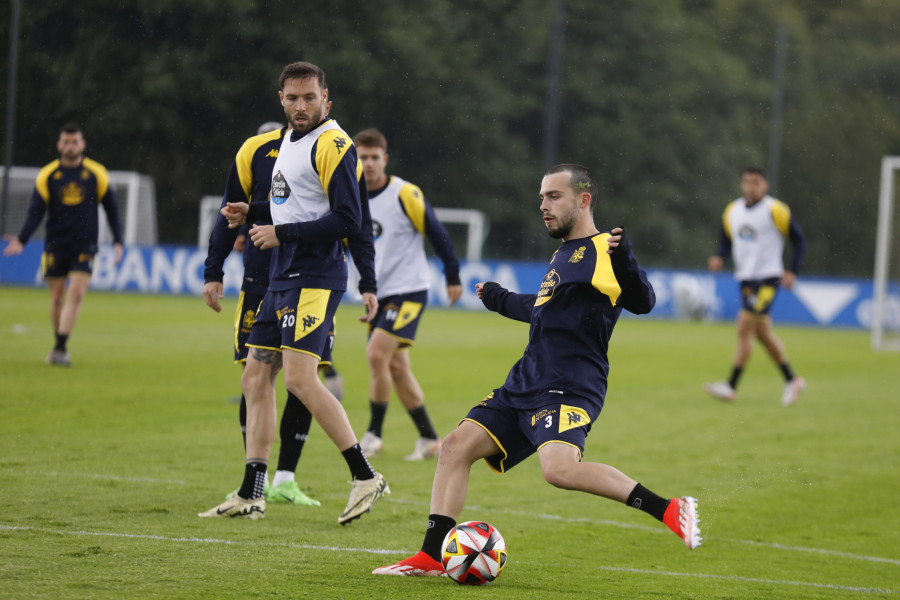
(473, 553)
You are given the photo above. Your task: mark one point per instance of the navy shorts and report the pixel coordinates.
(521, 425)
(59, 262)
(244, 317)
(300, 319)
(399, 316)
(758, 295)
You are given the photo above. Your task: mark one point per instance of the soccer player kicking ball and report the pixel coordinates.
(553, 395)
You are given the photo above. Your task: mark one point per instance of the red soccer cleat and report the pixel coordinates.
(420, 565)
(681, 517)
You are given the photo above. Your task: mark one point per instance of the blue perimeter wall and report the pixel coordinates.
(841, 302)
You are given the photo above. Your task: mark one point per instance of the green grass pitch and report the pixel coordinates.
(103, 467)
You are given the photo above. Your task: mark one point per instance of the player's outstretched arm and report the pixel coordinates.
(637, 294)
(511, 305)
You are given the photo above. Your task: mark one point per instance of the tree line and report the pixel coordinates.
(664, 100)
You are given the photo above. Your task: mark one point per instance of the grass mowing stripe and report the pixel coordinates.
(113, 477)
(771, 481)
(163, 538)
(661, 530)
(380, 551)
(827, 586)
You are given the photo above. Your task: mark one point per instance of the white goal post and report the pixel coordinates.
(882, 315)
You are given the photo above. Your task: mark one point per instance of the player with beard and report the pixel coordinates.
(554, 394)
(314, 204)
(68, 190)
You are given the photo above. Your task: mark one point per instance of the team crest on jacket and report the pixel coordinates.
(577, 255)
(551, 280)
(280, 189)
(72, 194)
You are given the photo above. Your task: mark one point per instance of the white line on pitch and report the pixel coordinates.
(380, 551)
(827, 586)
(162, 538)
(548, 517)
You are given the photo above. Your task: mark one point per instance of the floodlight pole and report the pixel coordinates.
(777, 107)
(554, 84)
(10, 109)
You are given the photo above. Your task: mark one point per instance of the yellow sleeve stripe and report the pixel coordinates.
(725, 221)
(781, 214)
(331, 147)
(100, 173)
(414, 204)
(604, 280)
(243, 162)
(359, 170)
(41, 183)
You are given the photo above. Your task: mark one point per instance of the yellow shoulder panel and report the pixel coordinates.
(41, 182)
(100, 173)
(604, 280)
(725, 218)
(781, 214)
(331, 147)
(414, 204)
(243, 162)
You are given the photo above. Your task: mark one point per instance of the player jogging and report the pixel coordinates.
(402, 218)
(68, 190)
(315, 203)
(554, 394)
(754, 228)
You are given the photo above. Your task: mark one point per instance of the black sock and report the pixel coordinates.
(61, 339)
(242, 415)
(787, 371)
(645, 500)
(358, 463)
(329, 371)
(438, 528)
(295, 423)
(254, 484)
(735, 375)
(376, 422)
(423, 423)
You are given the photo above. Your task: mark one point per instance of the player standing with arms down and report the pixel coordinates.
(249, 180)
(402, 218)
(754, 228)
(315, 203)
(68, 190)
(555, 393)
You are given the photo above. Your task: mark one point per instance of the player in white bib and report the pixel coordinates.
(401, 219)
(315, 202)
(754, 228)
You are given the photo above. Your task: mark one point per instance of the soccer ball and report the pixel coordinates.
(473, 553)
